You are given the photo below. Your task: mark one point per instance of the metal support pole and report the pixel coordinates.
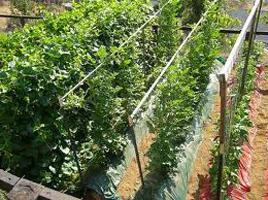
(248, 53)
(222, 30)
(132, 132)
(143, 43)
(76, 159)
(223, 94)
(20, 16)
(73, 148)
(258, 18)
(22, 22)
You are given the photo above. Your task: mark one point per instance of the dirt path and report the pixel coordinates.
(200, 168)
(131, 180)
(260, 153)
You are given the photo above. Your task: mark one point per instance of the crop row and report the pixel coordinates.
(238, 125)
(51, 141)
(40, 63)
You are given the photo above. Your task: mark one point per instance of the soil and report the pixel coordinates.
(4, 9)
(260, 150)
(131, 180)
(238, 4)
(200, 167)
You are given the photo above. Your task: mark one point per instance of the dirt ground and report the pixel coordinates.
(238, 4)
(4, 9)
(131, 180)
(260, 148)
(200, 168)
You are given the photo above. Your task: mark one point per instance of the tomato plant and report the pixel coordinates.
(180, 93)
(40, 63)
(192, 10)
(237, 127)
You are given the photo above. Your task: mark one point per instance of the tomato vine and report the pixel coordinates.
(237, 128)
(40, 63)
(180, 93)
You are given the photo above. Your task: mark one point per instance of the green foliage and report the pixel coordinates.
(192, 10)
(23, 6)
(3, 195)
(167, 38)
(168, 34)
(40, 63)
(173, 116)
(264, 18)
(35, 7)
(180, 94)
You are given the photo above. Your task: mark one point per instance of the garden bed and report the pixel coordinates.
(240, 132)
(200, 174)
(176, 186)
(83, 129)
(258, 142)
(131, 180)
(107, 183)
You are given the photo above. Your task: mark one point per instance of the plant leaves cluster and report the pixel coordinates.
(180, 93)
(40, 63)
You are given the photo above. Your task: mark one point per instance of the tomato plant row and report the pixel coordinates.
(238, 127)
(181, 92)
(40, 63)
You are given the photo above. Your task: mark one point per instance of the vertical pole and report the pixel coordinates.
(143, 43)
(258, 18)
(131, 129)
(223, 94)
(76, 159)
(73, 148)
(249, 50)
(143, 46)
(22, 22)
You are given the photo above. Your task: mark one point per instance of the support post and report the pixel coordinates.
(22, 22)
(248, 53)
(223, 94)
(20, 16)
(132, 132)
(73, 148)
(143, 43)
(258, 18)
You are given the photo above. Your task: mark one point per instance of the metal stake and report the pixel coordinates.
(258, 18)
(132, 132)
(249, 50)
(73, 148)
